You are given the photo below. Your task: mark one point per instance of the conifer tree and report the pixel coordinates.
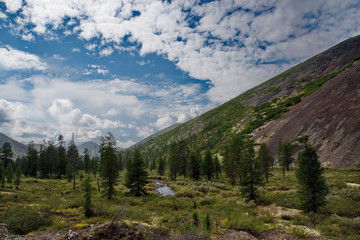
(62, 157)
(73, 158)
(9, 173)
(120, 162)
(312, 185)
(251, 172)
(173, 160)
(208, 166)
(136, 175)
(108, 164)
(2, 175)
(86, 187)
(265, 159)
(183, 156)
(232, 159)
(86, 161)
(195, 165)
(32, 161)
(17, 177)
(161, 166)
(285, 155)
(217, 167)
(6, 154)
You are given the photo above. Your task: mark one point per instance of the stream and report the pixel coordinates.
(162, 189)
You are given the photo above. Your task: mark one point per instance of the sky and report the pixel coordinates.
(133, 68)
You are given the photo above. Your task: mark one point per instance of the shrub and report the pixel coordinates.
(206, 222)
(24, 220)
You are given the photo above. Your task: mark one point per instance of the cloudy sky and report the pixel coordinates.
(135, 67)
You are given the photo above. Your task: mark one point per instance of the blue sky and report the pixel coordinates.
(136, 67)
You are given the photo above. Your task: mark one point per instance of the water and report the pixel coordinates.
(163, 190)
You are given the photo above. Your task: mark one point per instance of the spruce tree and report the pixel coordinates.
(73, 158)
(251, 174)
(161, 166)
(2, 175)
(136, 175)
(108, 164)
(183, 156)
(9, 173)
(217, 167)
(208, 166)
(86, 187)
(6, 154)
(232, 159)
(285, 155)
(173, 160)
(312, 185)
(265, 159)
(17, 177)
(195, 165)
(86, 161)
(32, 161)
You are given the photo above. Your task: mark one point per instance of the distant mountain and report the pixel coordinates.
(17, 147)
(92, 147)
(318, 99)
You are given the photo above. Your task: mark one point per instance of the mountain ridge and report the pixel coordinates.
(269, 102)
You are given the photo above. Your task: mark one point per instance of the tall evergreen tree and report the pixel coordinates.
(312, 185)
(136, 175)
(108, 164)
(86, 187)
(208, 167)
(232, 159)
(173, 160)
(6, 154)
(73, 158)
(217, 167)
(9, 173)
(2, 175)
(195, 165)
(62, 157)
(265, 159)
(87, 161)
(161, 166)
(17, 177)
(183, 153)
(285, 155)
(251, 172)
(153, 164)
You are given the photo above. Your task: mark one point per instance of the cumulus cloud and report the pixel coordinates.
(233, 44)
(12, 5)
(221, 41)
(13, 59)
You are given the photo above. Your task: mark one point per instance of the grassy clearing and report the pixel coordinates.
(52, 204)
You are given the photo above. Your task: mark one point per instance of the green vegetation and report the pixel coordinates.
(52, 204)
(312, 185)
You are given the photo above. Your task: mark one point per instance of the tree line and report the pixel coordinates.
(240, 163)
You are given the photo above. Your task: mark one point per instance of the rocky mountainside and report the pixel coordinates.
(17, 147)
(318, 99)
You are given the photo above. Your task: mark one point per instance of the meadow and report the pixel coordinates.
(199, 210)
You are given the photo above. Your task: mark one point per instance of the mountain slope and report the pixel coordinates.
(17, 147)
(271, 103)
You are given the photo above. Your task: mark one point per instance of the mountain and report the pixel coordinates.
(92, 147)
(17, 147)
(318, 99)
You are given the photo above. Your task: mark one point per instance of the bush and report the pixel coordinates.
(24, 220)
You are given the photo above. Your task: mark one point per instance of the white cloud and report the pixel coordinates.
(75, 50)
(12, 5)
(13, 59)
(58, 57)
(106, 52)
(229, 58)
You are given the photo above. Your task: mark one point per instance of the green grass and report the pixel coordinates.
(61, 207)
